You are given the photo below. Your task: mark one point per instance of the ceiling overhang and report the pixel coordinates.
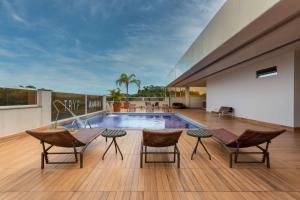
(275, 29)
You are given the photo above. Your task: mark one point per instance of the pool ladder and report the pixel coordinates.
(86, 123)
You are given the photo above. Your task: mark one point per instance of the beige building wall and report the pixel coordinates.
(297, 89)
(269, 99)
(231, 18)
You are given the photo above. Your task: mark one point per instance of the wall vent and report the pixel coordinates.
(272, 71)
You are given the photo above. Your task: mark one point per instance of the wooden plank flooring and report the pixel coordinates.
(201, 178)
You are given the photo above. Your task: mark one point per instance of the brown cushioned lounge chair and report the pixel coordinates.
(63, 138)
(249, 138)
(160, 138)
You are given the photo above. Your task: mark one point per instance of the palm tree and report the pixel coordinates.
(127, 80)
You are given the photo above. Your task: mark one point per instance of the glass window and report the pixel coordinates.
(67, 104)
(94, 103)
(17, 97)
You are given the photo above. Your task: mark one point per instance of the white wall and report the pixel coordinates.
(268, 99)
(196, 102)
(297, 89)
(17, 120)
(230, 19)
(44, 101)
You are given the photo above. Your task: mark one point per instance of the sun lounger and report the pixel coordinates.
(250, 138)
(63, 138)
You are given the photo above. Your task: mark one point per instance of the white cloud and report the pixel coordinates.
(13, 12)
(149, 50)
(7, 53)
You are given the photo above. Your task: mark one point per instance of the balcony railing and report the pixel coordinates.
(142, 99)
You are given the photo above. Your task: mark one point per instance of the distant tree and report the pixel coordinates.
(28, 86)
(126, 80)
(152, 91)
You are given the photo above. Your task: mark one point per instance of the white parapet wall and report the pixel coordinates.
(16, 119)
(269, 99)
(19, 118)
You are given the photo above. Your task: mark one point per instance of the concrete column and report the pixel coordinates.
(187, 96)
(86, 104)
(44, 100)
(104, 103)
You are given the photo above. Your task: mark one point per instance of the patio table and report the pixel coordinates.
(113, 133)
(199, 133)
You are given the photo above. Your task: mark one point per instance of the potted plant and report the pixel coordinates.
(126, 80)
(117, 96)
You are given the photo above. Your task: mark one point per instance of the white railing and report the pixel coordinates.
(144, 99)
(140, 101)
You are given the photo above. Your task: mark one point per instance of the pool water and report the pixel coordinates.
(140, 121)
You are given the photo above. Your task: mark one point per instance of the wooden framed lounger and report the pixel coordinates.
(63, 138)
(250, 138)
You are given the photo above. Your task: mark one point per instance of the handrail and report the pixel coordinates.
(85, 123)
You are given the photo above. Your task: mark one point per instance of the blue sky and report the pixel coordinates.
(83, 45)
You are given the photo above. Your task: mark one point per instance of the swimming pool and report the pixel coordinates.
(140, 121)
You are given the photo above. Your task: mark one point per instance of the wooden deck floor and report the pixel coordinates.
(22, 178)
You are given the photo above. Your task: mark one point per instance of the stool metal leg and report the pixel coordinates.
(115, 146)
(195, 149)
(118, 148)
(205, 148)
(107, 149)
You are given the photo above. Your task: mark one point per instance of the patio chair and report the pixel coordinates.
(165, 108)
(250, 138)
(224, 110)
(132, 108)
(149, 108)
(160, 138)
(156, 105)
(63, 138)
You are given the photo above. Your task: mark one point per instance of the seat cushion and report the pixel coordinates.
(87, 135)
(224, 136)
